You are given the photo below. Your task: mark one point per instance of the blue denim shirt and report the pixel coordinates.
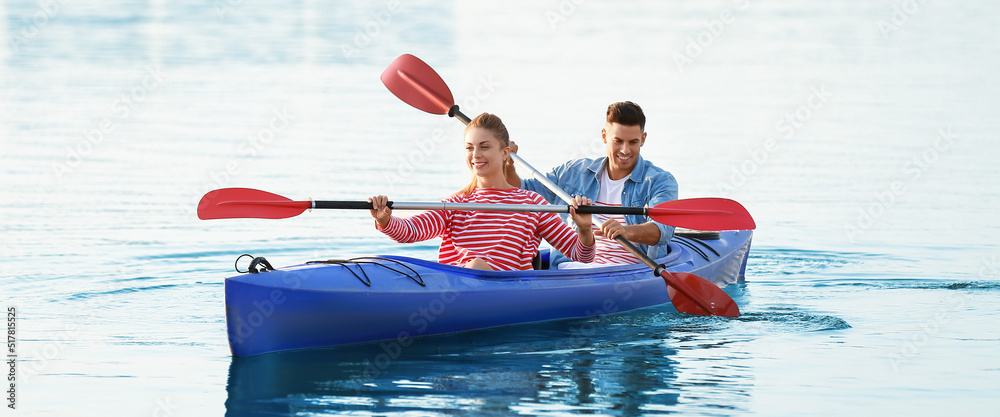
(647, 186)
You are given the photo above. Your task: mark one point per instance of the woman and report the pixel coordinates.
(489, 240)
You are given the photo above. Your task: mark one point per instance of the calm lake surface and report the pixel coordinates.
(861, 135)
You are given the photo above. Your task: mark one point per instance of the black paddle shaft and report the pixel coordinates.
(456, 113)
(640, 211)
(349, 205)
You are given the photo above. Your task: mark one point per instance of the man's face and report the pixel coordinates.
(622, 145)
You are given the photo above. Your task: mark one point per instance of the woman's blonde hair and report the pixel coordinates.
(494, 125)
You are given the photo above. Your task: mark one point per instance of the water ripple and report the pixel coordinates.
(911, 284)
(794, 321)
(784, 261)
(95, 294)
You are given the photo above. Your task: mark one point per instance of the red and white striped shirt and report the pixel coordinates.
(506, 241)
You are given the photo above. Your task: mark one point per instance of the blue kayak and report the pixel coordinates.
(397, 298)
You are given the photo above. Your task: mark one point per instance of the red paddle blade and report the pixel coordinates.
(238, 203)
(712, 300)
(703, 214)
(416, 83)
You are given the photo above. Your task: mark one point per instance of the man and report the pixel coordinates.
(620, 178)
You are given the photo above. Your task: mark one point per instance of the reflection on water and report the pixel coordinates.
(521, 368)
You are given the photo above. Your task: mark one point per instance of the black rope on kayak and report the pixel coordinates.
(346, 263)
(373, 260)
(686, 243)
(702, 243)
(418, 279)
(257, 264)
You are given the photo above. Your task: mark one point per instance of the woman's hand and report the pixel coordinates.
(380, 210)
(582, 220)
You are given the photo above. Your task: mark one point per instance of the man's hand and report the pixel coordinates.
(509, 173)
(647, 233)
(611, 229)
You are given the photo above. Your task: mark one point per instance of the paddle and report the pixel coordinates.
(232, 203)
(417, 84)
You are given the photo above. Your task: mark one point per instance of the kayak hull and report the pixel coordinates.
(395, 298)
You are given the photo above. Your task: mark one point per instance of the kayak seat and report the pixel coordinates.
(541, 259)
(697, 234)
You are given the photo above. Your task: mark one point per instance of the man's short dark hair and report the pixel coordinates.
(627, 113)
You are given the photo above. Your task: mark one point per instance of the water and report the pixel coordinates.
(861, 135)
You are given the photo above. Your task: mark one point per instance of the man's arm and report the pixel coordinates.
(646, 233)
(664, 189)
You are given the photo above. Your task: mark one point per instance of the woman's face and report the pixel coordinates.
(484, 153)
